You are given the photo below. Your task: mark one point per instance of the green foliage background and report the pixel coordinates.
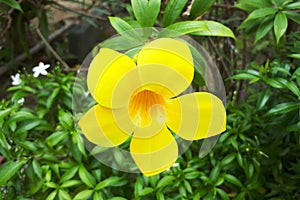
(256, 158)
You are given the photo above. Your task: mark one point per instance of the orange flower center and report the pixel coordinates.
(146, 106)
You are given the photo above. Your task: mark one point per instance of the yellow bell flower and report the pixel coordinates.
(139, 99)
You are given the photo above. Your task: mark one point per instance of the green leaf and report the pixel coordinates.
(263, 29)
(280, 25)
(28, 145)
(52, 97)
(37, 168)
(85, 194)
(86, 177)
(282, 108)
(28, 125)
(250, 5)
(199, 28)
(200, 66)
(22, 115)
(260, 13)
(13, 4)
(146, 11)
(244, 76)
(295, 55)
(146, 191)
(199, 7)
(62, 194)
(56, 137)
(165, 181)
(117, 198)
(233, 180)
(263, 99)
(125, 29)
(172, 11)
(293, 16)
(228, 159)
(8, 170)
(65, 119)
(276, 82)
(192, 175)
(69, 174)
(293, 88)
(52, 195)
(293, 6)
(222, 194)
(70, 183)
(4, 113)
(107, 182)
(120, 43)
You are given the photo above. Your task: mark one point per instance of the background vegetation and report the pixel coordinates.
(42, 155)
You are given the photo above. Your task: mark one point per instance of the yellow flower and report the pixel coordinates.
(139, 99)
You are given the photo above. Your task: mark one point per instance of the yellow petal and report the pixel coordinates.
(172, 53)
(155, 154)
(105, 71)
(100, 126)
(197, 115)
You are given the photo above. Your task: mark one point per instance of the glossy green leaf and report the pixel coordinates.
(293, 16)
(56, 137)
(199, 64)
(199, 7)
(146, 191)
(293, 6)
(86, 177)
(28, 125)
(52, 195)
(165, 181)
(263, 99)
(85, 194)
(70, 183)
(120, 43)
(69, 174)
(199, 28)
(62, 194)
(125, 29)
(280, 25)
(8, 170)
(4, 113)
(146, 11)
(263, 29)
(282, 108)
(107, 182)
(233, 180)
(244, 76)
(276, 82)
(37, 168)
(260, 13)
(222, 194)
(228, 159)
(13, 4)
(250, 5)
(293, 88)
(172, 11)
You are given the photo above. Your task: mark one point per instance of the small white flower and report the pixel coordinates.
(86, 94)
(175, 165)
(40, 69)
(20, 101)
(16, 79)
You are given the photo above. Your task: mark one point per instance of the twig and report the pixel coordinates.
(59, 6)
(36, 48)
(51, 49)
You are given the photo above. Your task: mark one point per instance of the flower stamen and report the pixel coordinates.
(144, 105)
